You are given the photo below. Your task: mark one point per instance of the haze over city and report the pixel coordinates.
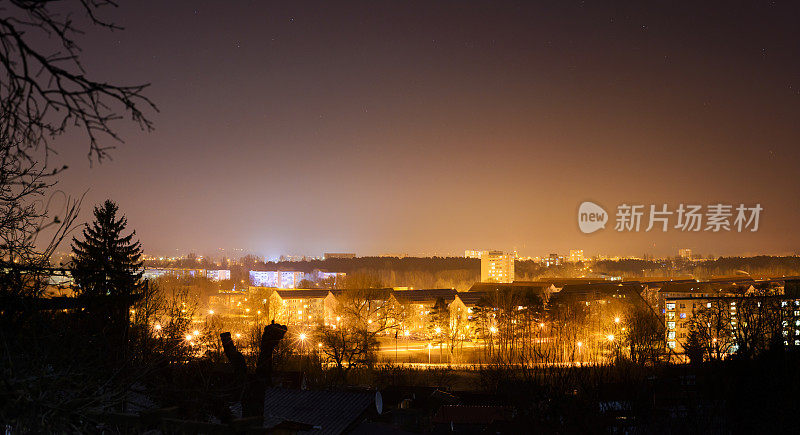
(431, 128)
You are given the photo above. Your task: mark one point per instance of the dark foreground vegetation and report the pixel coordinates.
(63, 372)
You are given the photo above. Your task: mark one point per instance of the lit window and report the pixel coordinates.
(671, 335)
(671, 325)
(671, 306)
(671, 344)
(683, 315)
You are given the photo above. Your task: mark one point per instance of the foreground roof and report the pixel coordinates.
(329, 411)
(425, 295)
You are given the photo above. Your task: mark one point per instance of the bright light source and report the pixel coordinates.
(196, 332)
(438, 330)
(211, 312)
(580, 343)
(302, 336)
(616, 319)
(369, 321)
(492, 329)
(406, 333)
(238, 335)
(430, 346)
(610, 337)
(338, 318)
(188, 337)
(157, 327)
(541, 325)
(319, 344)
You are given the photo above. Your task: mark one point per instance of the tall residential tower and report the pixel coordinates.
(497, 266)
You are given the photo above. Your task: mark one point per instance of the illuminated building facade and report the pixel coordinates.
(218, 275)
(575, 255)
(724, 303)
(153, 273)
(276, 279)
(497, 266)
(552, 260)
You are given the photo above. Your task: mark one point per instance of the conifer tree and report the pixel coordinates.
(106, 262)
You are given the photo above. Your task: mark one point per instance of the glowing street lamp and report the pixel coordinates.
(610, 337)
(438, 330)
(157, 327)
(196, 333)
(616, 319)
(302, 338)
(492, 329)
(580, 344)
(541, 325)
(406, 333)
(210, 312)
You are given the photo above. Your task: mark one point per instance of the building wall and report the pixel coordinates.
(497, 266)
(218, 275)
(275, 279)
(679, 310)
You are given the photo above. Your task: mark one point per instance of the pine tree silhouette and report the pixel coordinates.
(107, 263)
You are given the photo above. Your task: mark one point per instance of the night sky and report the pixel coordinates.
(434, 127)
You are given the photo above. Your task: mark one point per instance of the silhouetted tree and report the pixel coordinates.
(107, 263)
(644, 334)
(364, 314)
(43, 90)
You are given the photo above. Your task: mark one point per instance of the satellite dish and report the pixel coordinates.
(378, 402)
